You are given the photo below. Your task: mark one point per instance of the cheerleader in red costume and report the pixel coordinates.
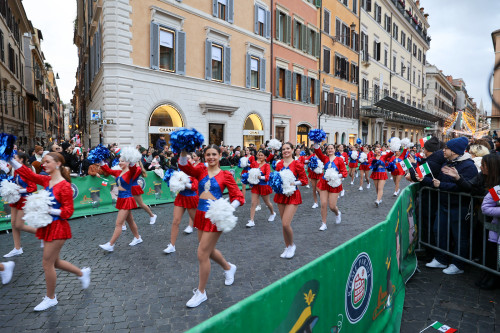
(54, 235)
(125, 202)
(251, 158)
(262, 189)
(287, 205)
(397, 174)
(328, 194)
(212, 181)
(379, 172)
(17, 212)
(364, 167)
(345, 158)
(185, 200)
(353, 163)
(137, 193)
(314, 178)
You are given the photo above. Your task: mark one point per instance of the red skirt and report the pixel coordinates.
(397, 173)
(202, 223)
(364, 167)
(353, 165)
(314, 175)
(262, 189)
(59, 229)
(294, 199)
(137, 190)
(186, 202)
(378, 175)
(323, 186)
(126, 203)
(20, 204)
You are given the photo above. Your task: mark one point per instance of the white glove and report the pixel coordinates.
(189, 186)
(4, 166)
(183, 160)
(55, 211)
(235, 204)
(298, 183)
(102, 163)
(23, 190)
(316, 146)
(15, 164)
(262, 177)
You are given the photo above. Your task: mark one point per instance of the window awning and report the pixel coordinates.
(391, 104)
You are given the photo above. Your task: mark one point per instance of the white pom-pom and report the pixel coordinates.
(116, 167)
(254, 176)
(319, 168)
(10, 191)
(36, 209)
(333, 177)
(178, 181)
(274, 144)
(395, 144)
(383, 153)
(354, 155)
(243, 162)
(130, 154)
(221, 213)
(288, 179)
(363, 157)
(406, 143)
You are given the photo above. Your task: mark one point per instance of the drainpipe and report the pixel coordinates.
(272, 72)
(319, 66)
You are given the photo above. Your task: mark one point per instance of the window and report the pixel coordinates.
(387, 23)
(168, 53)
(167, 50)
(364, 46)
(255, 72)
(313, 44)
(386, 57)
(345, 2)
(326, 21)
(395, 96)
(413, 75)
(403, 38)
(298, 87)
(299, 35)
(378, 13)
(346, 33)
(376, 92)
(366, 5)
(312, 91)
(419, 55)
(337, 105)
(283, 27)
(281, 82)
(395, 31)
(217, 63)
(418, 81)
(326, 60)
(262, 22)
(342, 67)
(11, 59)
(386, 92)
(355, 6)
(364, 89)
(223, 9)
(354, 41)
(376, 50)
(2, 47)
(402, 68)
(408, 45)
(394, 63)
(408, 71)
(354, 73)
(414, 50)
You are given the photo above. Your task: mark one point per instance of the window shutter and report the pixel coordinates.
(267, 28)
(180, 37)
(230, 11)
(317, 46)
(208, 60)
(295, 34)
(91, 61)
(326, 24)
(262, 74)
(369, 5)
(349, 112)
(317, 92)
(215, 8)
(277, 27)
(256, 17)
(318, 3)
(326, 61)
(288, 30)
(305, 88)
(288, 84)
(294, 85)
(154, 45)
(248, 76)
(337, 29)
(304, 37)
(227, 65)
(331, 103)
(277, 78)
(346, 70)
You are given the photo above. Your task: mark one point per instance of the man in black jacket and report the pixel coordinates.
(71, 160)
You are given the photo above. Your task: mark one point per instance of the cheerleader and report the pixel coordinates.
(6, 270)
(54, 235)
(379, 173)
(345, 159)
(396, 173)
(353, 163)
(185, 200)
(364, 167)
(137, 193)
(17, 212)
(212, 181)
(328, 194)
(287, 205)
(251, 158)
(125, 202)
(262, 189)
(314, 178)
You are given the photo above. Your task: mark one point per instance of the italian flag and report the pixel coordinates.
(495, 193)
(404, 165)
(423, 140)
(437, 326)
(423, 170)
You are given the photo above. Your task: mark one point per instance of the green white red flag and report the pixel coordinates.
(404, 165)
(438, 327)
(495, 193)
(423, 170)
(423, 140)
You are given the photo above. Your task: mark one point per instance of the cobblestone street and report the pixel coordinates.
(142, 289)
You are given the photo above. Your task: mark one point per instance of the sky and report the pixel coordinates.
(461, 43)
(55, 19)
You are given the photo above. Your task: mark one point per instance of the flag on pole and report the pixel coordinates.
(423, 170)
(423, 140)
(404, 165)
(495, 193)
(438, 327)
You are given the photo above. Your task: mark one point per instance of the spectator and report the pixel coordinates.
(224, 161)
(71, 160)
(497, 145)
(160, 143)
(453, 211)
(477, 151)
(55, 148)
(37, 154)
(236, 158)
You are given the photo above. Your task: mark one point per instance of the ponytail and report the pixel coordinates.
(143, 171)
(64, 170)
(65, 173)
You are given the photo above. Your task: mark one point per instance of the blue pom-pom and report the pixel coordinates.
(313, 163)
(317, 135)
(186, 139)
(115, 162)
(168, 174)
(244, 178)
(302, 153)
(273, 164)
(337, 154)
(98, 154)
(6, 176)
(376, 164)
(358, 141)
(275, 182)
(7, 146)
(391, 167)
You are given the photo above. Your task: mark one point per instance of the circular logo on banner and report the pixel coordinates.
(359, 288)
(141, 182)
(75, 190)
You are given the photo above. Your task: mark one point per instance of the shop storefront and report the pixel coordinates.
(164, 120)
(253, 131)
(302, 134)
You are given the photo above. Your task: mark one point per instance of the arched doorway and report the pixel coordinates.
(163, 120)
(336, 137)
(253, 131)
(343, 139)
(302, 134)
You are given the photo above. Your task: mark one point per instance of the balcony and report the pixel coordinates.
(400, 6)
(37, 71)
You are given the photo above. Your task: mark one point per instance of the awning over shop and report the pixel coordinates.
(390, 104)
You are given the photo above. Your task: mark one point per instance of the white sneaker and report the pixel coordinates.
(258, 208)
(452, 270)
(391, 178)
(395, 194)
(170, 249)
(229, 275)
(377, 203)
(197, 299)
(8, 269)
(435, 264)
(85, 278)
(124, 227)
(41, 244)
(14, 252)
(135, 241)
(361, 188)
(352, 183)
(108, 247)
(338, 219)
(46, 303)
(152, 220)
(323, 227)
(357, 174)
(285, 252)
(291, 252)
(250, 224)
(368, 186)
(315, 205)
(272, 217)
(342, 193)
(188, 230)
(308, 186)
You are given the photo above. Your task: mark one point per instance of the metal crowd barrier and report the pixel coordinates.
(473, 222)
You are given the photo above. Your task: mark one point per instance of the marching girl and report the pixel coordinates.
(364, 168)
(345, 158)
(262, 189)
(54, 235)
(313, 178)
(379, 172)
(287, 205)
(6, 270)
(251, 158)
(329, 195)
(353, 163)
(137, 193)
(396, 173)
(185, 200)
(212, 183)
(125, 202)
(17, 212)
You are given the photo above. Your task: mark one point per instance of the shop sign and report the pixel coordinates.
(162, 129)
(253, 132)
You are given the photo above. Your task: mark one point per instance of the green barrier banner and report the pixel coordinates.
(97, 195)
(357, 287)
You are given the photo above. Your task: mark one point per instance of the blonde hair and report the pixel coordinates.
(479, 150)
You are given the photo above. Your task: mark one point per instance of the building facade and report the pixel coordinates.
(495, 108)
(339, 70)
(136, 72)
(394, 41)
